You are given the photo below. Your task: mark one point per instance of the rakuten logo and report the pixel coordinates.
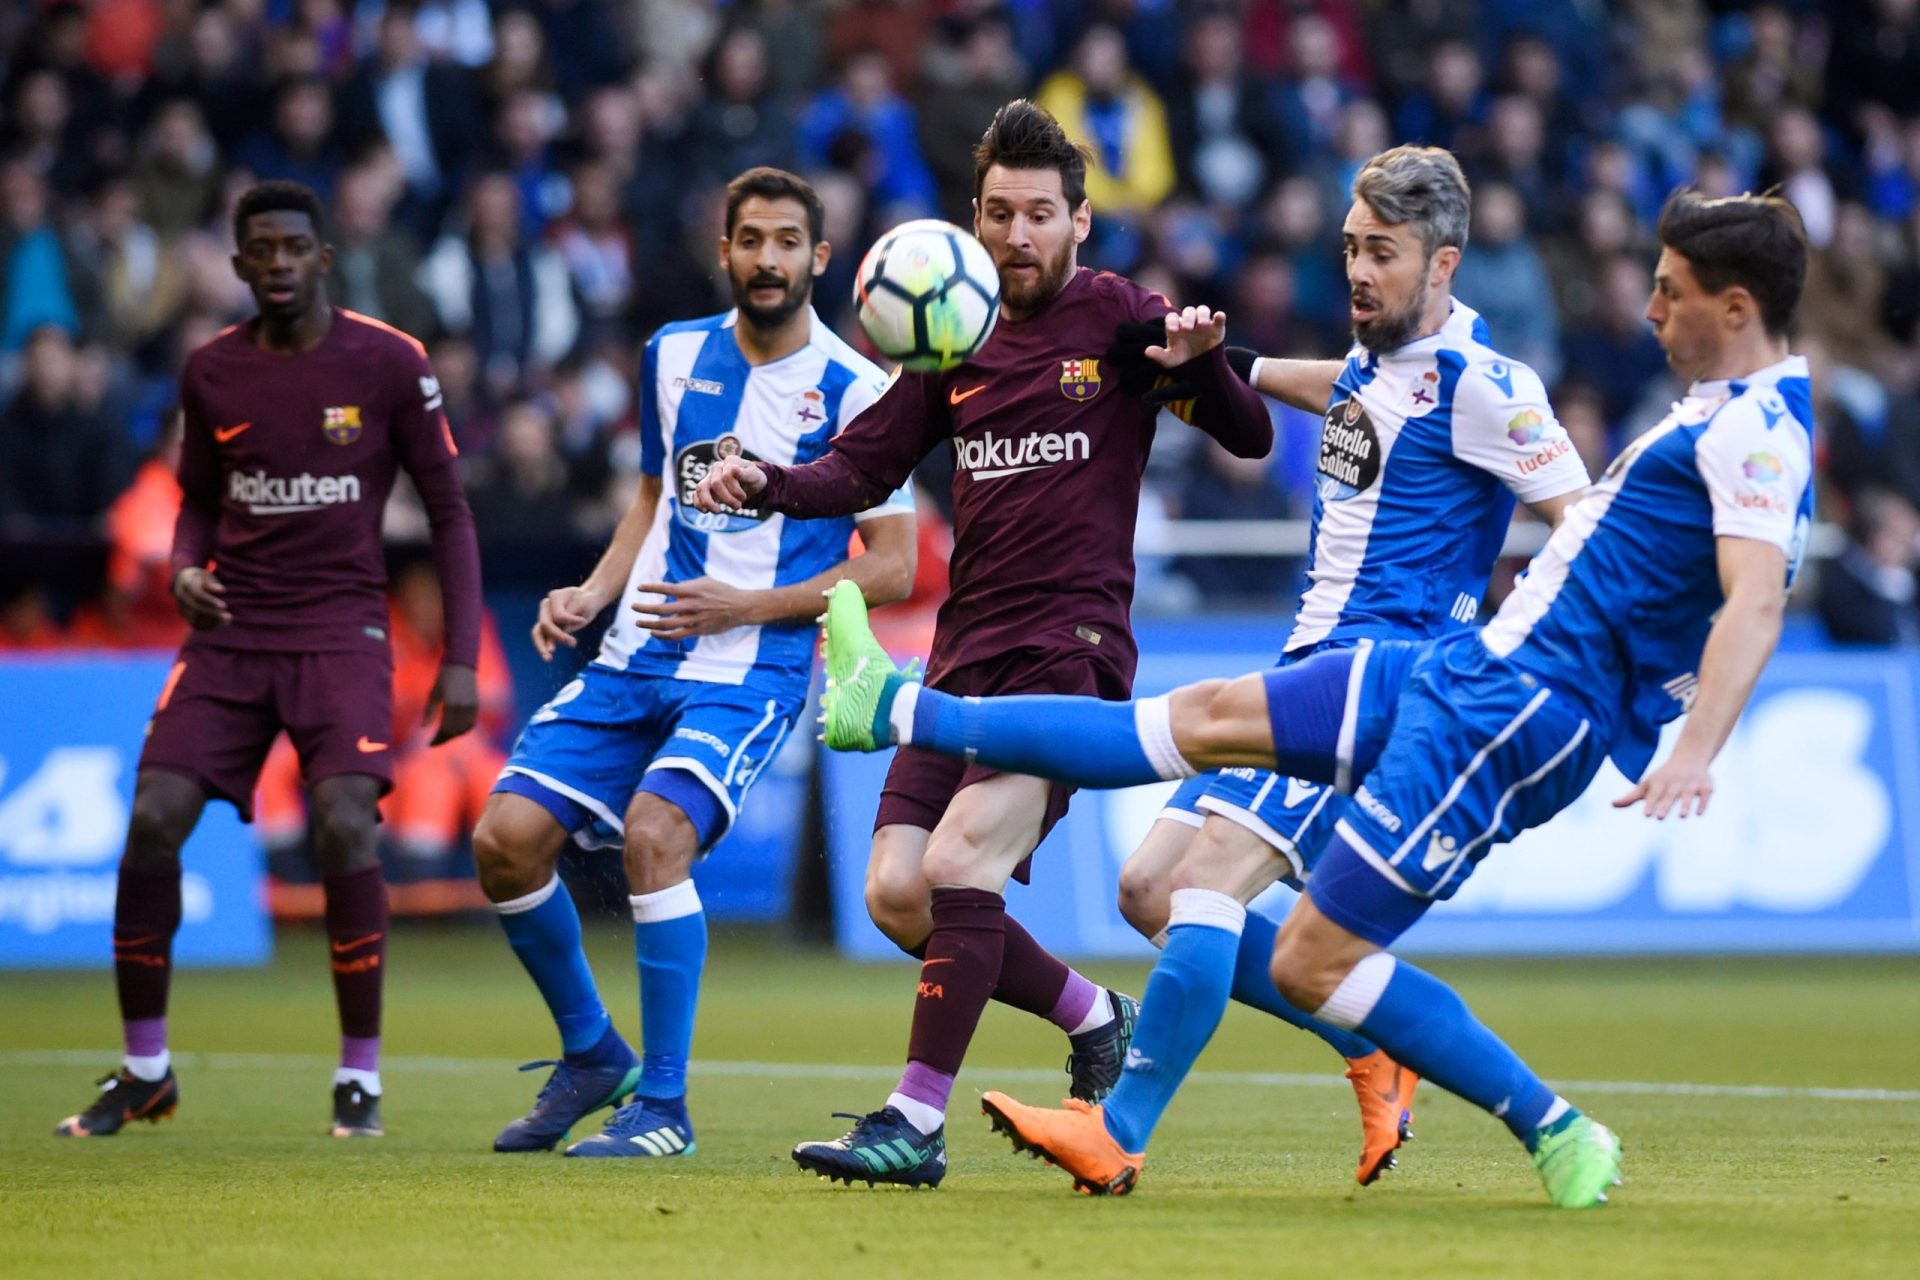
(990, 457)
(266, 495)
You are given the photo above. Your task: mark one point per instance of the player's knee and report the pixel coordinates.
(156, 828)
(506, 867)
(1300, 977)
(344, 835)
(1143, 899)
(958, 857)
(660, 846)
(898, 905)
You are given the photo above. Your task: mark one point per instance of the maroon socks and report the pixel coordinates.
(357, 942)
(146, 914)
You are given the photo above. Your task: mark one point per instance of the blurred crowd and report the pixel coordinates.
(531, 186)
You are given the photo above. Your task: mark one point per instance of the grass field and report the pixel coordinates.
(1250, 1175)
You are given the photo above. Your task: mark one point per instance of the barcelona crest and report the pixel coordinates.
(1079, 379)
(341, 423)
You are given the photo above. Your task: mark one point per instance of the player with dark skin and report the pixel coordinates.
(284, 265)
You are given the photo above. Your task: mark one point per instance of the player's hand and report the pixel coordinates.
(698, 607)
(200, 596)
(456, 696)
(728, 485)
(1191, 333)
(1681, 787)
(563, 612)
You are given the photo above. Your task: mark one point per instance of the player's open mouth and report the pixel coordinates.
(1363, 311)
(281, 294)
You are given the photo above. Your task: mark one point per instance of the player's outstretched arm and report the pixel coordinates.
(1753, 577)
(567, 609)
(1306, 385)
(705, 606)
(866, 463)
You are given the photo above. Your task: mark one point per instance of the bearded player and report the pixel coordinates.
(699, 679)
(1049, 446)
(296, 424)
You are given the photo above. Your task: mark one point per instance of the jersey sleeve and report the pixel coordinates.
(198, 523)
(653, 443)
(1756, 466)
(871, 458)
(856, 400)
(1503, 425)
(423, 442)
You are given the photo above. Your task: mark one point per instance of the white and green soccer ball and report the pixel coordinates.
(927, 294)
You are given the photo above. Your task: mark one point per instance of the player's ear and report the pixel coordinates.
(1083, 222)
(822, 254)
(1737, 307)
(1446, 261)
(238, 273)
(976, 218)
(726, 243)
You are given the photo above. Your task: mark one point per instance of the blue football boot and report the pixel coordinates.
(882, 1147)
(644, 1127)
(570, 1095)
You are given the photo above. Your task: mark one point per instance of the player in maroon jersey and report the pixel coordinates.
(1050, 439)
(296, 423)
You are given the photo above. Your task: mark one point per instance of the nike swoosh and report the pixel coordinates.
(341, 948)
(224, 434)
(956, 395)
(367, 746)
(928, 964)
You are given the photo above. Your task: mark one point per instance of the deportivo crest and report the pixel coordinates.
(341, 423)
(810, 408)
(1080, 379)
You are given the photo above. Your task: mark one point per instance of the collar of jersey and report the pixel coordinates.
(1791, 367)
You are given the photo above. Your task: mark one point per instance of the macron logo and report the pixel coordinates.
(265, 495)
(991, 457)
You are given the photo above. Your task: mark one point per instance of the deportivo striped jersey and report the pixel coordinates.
(701, 401)
(1423, 452)
(1615, 611)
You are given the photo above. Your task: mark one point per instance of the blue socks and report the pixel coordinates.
(670, 946)
(1082, 741)
(1185, 997)
(1419, 1020)
(544, 930)
(1253, 986)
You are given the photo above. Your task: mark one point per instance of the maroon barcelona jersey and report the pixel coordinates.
(286, 465)
(1048, 456)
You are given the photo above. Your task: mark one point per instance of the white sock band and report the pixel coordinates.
(900, 714)
(669, 904)
(1153, 721)
(1098, 1015)
(1206, 907)
(514, 906)
(369, 1081)
(1159, 940)
(925, 1118)
(1358, 992)
(149, 1067)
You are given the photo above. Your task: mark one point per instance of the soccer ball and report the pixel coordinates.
(927, 294)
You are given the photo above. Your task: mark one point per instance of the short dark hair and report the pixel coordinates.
(768, 183)
(1756, 242)
(1024, 135)
(276, 196)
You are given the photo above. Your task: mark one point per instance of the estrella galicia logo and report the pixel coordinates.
(1349, 452)
(690, 467)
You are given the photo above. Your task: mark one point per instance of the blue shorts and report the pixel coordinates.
(610, 734)
(1292, 815)
(1455, 750)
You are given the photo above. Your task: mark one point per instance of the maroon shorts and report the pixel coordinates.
(221, 708)
(920, 783)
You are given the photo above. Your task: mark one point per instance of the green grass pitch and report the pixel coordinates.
(1251, 1173)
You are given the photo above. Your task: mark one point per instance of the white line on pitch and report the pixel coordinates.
(832, 1071)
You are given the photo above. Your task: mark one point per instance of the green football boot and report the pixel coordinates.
(861, 678)
(1578, 1163)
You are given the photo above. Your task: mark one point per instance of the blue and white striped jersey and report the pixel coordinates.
(1422, 455)
(701, 401)
(1615, 611)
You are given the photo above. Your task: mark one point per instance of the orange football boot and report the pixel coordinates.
(1384, 1089)
(1074, 1139)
